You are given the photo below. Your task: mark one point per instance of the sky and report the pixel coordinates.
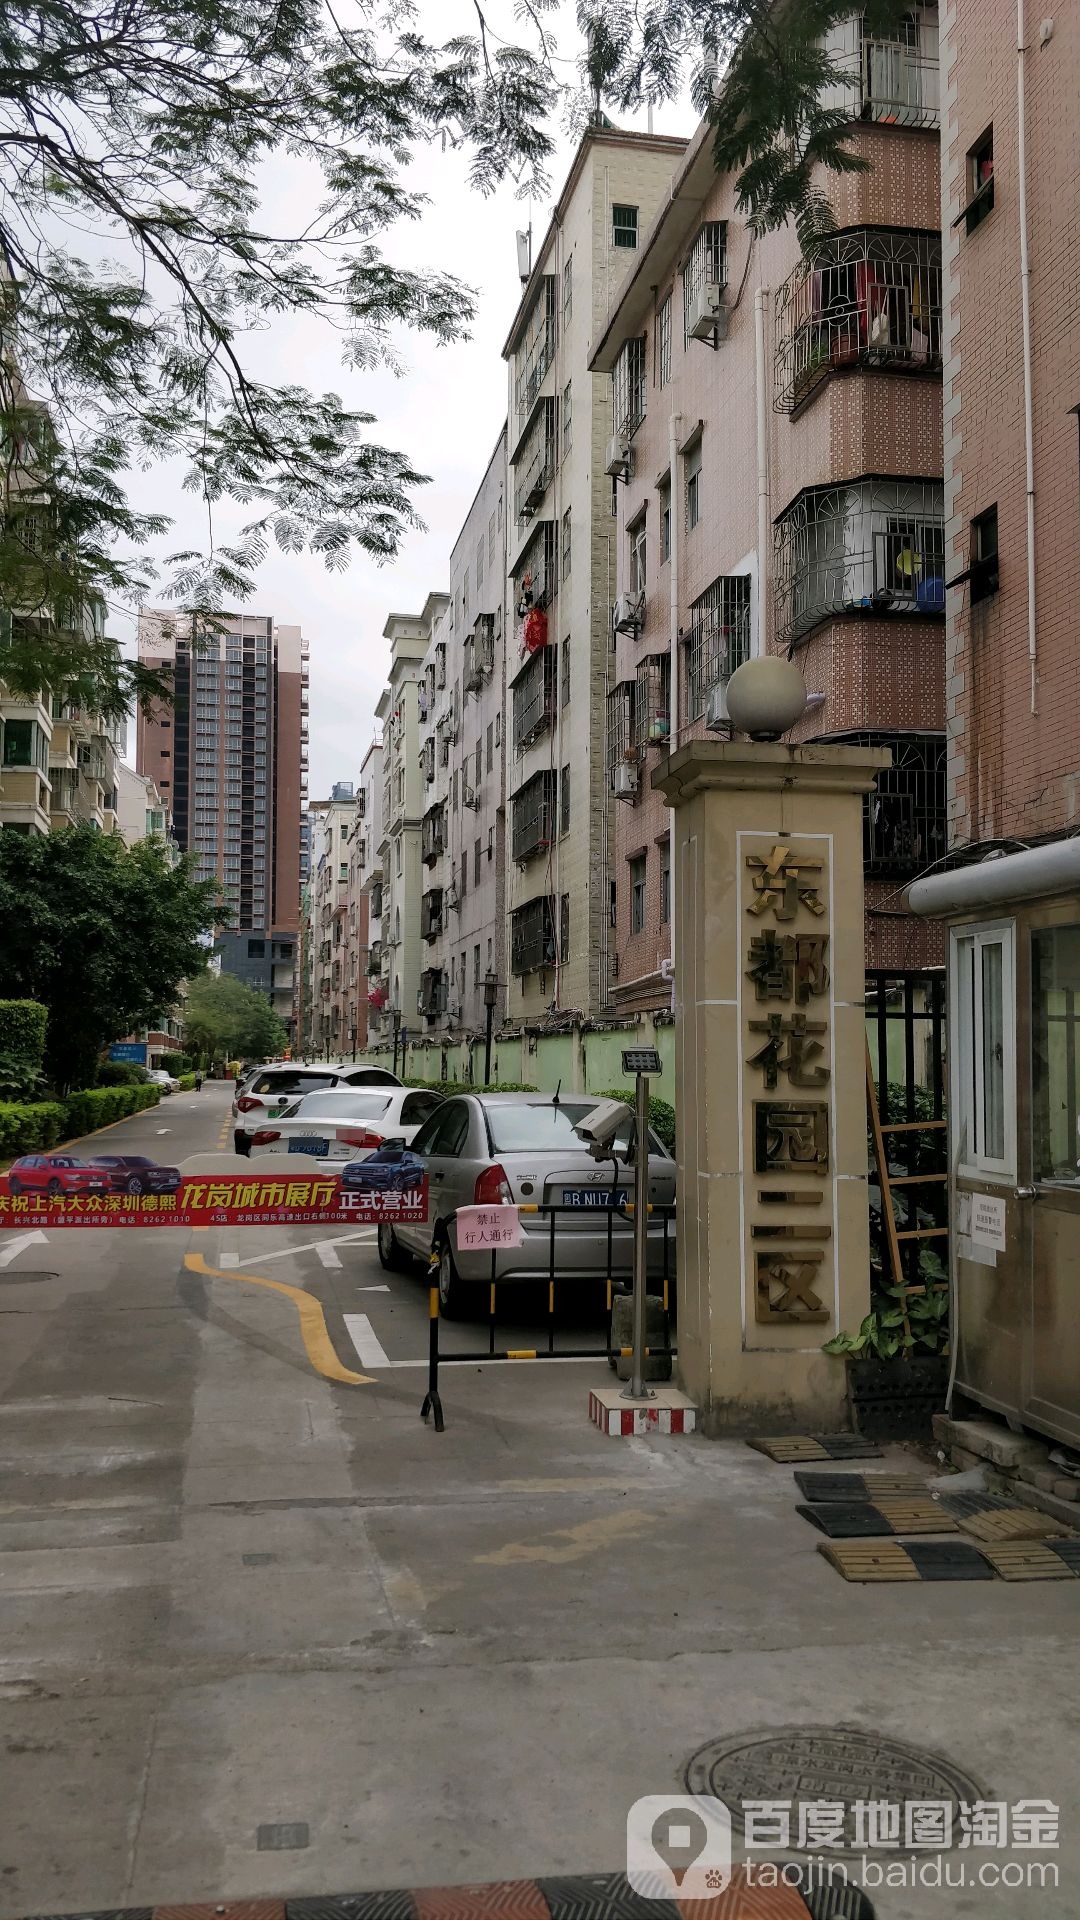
(444, 412)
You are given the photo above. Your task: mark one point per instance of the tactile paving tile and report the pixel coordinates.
(824, 1487)
(1011, 1523)
(1027, 1560)
(791, 1448)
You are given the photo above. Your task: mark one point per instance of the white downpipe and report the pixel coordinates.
(674, 496)
(1025, 304)
(761, 398)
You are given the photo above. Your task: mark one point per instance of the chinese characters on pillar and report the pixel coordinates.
(787, 1052)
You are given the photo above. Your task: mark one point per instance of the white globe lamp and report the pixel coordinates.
(766, 696)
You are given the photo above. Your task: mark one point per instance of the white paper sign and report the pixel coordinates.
(988, 1221)
(479, 1227)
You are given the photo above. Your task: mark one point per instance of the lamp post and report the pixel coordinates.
(491, 990)
(352, 1034)
(396, 1017)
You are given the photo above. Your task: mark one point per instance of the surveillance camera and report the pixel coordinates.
(598, 1127)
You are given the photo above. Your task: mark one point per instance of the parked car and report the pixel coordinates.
(134, 1173)
(346, 1123)
(56, 1173)
(166, 1081)
(390, 1169)
(493, 1149)
(266, 1091)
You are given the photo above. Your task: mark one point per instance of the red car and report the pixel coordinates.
(134, 1173)
(56, 1173)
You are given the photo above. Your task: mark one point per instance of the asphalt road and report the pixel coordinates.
(264, 1632)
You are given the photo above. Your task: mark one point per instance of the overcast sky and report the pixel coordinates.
(444, 413)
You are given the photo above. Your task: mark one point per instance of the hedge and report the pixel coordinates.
(661, 1114)
(177, 1063)
(35, 1126)
(22, 1030)
(121, 1073)
(473, 1086)
(187, 1082)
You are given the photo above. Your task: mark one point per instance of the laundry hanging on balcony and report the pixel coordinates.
(536, 630)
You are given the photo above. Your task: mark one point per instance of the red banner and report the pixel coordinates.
(52, 1190)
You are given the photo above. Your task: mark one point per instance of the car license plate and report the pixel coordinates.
(309, 1143)
(594, 1197)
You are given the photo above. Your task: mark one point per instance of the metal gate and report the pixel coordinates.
(905, 1026)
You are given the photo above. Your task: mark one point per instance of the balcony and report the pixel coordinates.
(427, 760)
(532, 936)
(866, 299)
(536, 575)
(534, 695)
(537, 350)
(66, 796)
(652, 702)
(431, 914)
(533, 807)
(718, 640)
(904, 819)
(534, 461)
(433, 834)
(898, 76)
(479, 654)
(621, 733)
(876, 549)
(433, 996)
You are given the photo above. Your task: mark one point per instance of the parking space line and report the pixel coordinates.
(366, 1341)
(306, 1246)
(327, 1253)
(13, 1247)
(317, 1342)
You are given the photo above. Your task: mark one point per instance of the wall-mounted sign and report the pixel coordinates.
(988, 1221)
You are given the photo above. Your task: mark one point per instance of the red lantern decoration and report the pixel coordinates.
(536, 630)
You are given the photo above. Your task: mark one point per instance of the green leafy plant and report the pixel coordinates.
(882, 1334)
(19, 1079)
(121, 1073)
(661, 1113)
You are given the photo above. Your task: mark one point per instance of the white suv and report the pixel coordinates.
(267, 1089)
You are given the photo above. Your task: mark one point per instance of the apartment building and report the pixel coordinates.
(1011, 190)
(774, 442)
(399, 850)
(331, 821)
(141, 813)
(230, 757)
(303, 1023)
(364, 918)
(462, 756)
(562, 559)
(58, 760)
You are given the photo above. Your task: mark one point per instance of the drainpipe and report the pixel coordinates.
(674, 435)
(1025, 303)
(760, 308)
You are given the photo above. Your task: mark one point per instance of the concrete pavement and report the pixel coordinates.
(234, 1593)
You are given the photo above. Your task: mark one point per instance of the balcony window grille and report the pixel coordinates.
(869, 299)
(433, 997)
(534, 462)
(706, 266)
(663, 344)
(876, 548)
(532, 936)
(431, 913)
(638, 555)
(652, 702)
(621, 730)
(718, 640)
(899, 73)
(628, 387)
(537, 349)
(536, 574)
(904, 818)
(533, 806)
(624, 227)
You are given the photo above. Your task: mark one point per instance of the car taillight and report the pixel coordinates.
(247, 1103)
(492, 1189)
(358, 1137)
(264, 1136)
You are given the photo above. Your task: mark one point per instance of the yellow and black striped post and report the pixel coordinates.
(432, 1402)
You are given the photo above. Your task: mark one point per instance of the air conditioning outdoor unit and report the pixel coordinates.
(617, 464)
(717, 717)
(470, 796)
(709, 313)
(628, 613)
(626, 780)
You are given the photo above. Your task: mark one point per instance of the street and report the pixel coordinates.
(241, 1593)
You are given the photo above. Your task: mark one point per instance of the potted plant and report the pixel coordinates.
(897, 1362)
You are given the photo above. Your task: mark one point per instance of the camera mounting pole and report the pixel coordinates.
(640, 1061)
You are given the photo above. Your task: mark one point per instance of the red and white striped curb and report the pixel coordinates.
(624, 1421)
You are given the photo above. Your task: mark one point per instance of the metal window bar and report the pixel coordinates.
(479, 654)
(628, 387)
(869, 299)
(899, 75)
(621, 733)
(652, 702)
(535, 465)
(432, 998)
(707, 264)
(537, 350)
(534, 698)
(433, 834)
(829, 559)
(538, 562)
(718, 640)
(532, 936)
(906, 1036)
(534, 816)
(904, 818)
(431, 913)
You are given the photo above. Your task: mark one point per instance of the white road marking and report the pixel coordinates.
(308, 1246)
(366, 1341)
(12, 1248)
(327, 1253)
(372, 1289)
(164, 1129)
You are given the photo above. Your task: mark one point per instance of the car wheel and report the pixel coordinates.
(241, 1143)
(392, 1254)
(134, 1185)
(453, 1292)
(53, 1187)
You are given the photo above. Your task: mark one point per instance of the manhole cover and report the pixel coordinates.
(806, 1766)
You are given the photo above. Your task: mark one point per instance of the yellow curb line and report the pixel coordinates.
(317, 1341)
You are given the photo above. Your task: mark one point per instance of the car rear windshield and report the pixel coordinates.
(536, 1128)
(344, 1106)
(291, 1082)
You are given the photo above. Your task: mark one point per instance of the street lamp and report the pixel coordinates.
(352, 1035)
(396, 1016)
(491, 990)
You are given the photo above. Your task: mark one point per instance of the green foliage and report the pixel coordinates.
(18, 1079)
(121, 1073)
(101, 934)
(177, 1063)
(94, 1107)
(472, 1086)
(661, 1114)
(187, 1082)
(23, 1025)
(224, 1019)
(35, 1126)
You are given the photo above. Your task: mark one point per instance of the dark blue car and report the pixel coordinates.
(388, 1170)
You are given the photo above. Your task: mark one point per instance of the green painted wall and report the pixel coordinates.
(583, 1062)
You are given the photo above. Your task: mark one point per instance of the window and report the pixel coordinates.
(636, 536)
(564, 928)
(478, 854)
(567, 291)
(984, 555)
(491, 539)
(490, 742)
(663, 344)
(628, 388)
(692, 481)
(718, 640)
(567, 417)
(479, 565)
(564, 801)
(498, 729)
(566, 544)
(637, 894)
(624, 226)
(1055, 1005)
(984, 1056)
(397, 860)
(25, 745)
(706, 266)
(565, 694)
(665, 521)
(980, 181)
(256, 949)
(665, 882)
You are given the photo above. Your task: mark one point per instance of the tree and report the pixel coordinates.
(144, 126)
(100, 933)
(224, 1019)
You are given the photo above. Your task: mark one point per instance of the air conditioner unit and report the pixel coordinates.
(626, 780)
(617, 464)
(717, 717)
(470, 796)
(667, 968)
(709, 313)
(628, 613)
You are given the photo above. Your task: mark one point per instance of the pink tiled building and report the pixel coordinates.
(777, 485)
